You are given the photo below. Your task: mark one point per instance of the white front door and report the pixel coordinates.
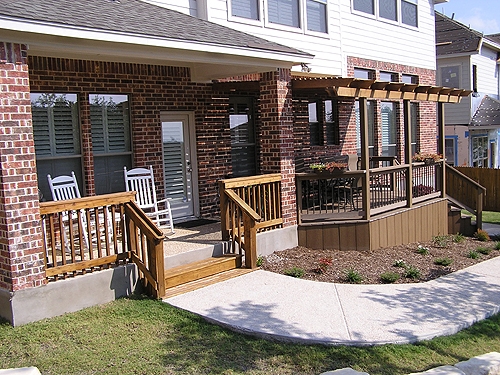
(179, 164)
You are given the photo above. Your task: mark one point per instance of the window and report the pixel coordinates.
(408, 78)
(450, 149)
(414, 127)
(245, 8)
(284, 12)
(450, 76)
(404, 11)
(388, 9)
(480, 151)
(364, 73)
(316, 15)
(315, 128)
(111, 145)
(409, 12)
(389, 77)
(331, 122)
(243, 151)
(366, 6)
(389, 128)
(56, 129)
(370, 108)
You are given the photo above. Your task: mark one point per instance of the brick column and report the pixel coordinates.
(21, 252)
(277, 141)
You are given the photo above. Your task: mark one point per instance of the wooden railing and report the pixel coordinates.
(466, 193)
(94, 233)
(339, 195)
(249, 205)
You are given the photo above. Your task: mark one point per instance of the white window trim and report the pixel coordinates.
(376, 16)
(264, 19)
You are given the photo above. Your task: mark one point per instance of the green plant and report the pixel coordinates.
(443, 261)
(389, 277)
(440, 241)
(497, 245)
(483, 250)
(260, 261)
(422, 250)
(294, 272)
(458, 238)
(482, 235)
(399, 263)
(353, 276)
(317, 167)
(412, 272)
(473, 254)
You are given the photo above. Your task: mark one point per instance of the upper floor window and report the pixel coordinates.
(305, 15)
(284, 12)
(316, 15)
(246, 9)
(408, 78)
(450, 76)
(404, 11)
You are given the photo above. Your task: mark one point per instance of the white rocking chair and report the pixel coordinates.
(63, 188)
(141, 180)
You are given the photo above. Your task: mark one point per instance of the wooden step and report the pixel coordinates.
(200, 269)
(206, 281)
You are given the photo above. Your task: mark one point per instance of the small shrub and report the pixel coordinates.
(294, 272)
(473, 254)
(497, 245)
(353, 276)
(458, 238)
(422, 250)
(412, 272)
(260, 260)
(399, 263)
(440, 241)
(445, 262)
(389, 277)
(483, 250)
(482, 235)
(323, 265)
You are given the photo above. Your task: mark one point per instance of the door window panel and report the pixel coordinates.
(243, 150)
(389, 133)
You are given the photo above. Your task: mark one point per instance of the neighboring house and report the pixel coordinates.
(468, 59)
(97, 85)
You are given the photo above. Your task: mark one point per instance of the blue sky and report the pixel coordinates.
(480, 15)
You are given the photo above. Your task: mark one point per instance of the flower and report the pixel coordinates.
(427, 156)
(333, 165)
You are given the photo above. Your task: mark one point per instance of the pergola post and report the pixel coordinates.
(365, 156)
(441, 146)
(408, 155)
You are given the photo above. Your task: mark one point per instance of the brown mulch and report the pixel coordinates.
(370, 265)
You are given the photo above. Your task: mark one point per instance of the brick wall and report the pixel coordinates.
(277, 137)
(152, 90)
(21, 253)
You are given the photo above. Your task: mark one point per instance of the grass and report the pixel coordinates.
(492, 217)
(144, 336)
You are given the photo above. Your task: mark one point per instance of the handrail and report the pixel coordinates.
(118, 232)
(463, 193)
(249, 205)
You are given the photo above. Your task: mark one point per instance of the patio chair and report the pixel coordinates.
(141, 180)
(64, 188)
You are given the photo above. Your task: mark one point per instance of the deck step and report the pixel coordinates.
(206, 281)
(200, 269)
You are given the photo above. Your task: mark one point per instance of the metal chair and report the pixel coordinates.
(64, 188)
(141, 180)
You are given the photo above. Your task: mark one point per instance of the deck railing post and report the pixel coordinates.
(250, 235)
(365, 157)
(224, 212)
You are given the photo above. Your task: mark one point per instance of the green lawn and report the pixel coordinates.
(144, 336)
(492, 217)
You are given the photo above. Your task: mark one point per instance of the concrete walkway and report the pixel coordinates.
(270, 305)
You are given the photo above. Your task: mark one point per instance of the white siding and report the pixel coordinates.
(184, 6)
(366, 37)
(457, 114)
(487, 72)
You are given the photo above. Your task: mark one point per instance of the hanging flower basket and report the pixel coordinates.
(428, 158)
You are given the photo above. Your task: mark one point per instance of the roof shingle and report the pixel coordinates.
(454, 37)
(487, 114)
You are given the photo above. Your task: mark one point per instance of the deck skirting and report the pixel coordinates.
(406, 225)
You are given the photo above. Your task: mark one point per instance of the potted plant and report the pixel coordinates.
(427, 158)
(317, 167)
(335, 166)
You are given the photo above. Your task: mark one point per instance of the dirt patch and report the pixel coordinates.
(415, 259)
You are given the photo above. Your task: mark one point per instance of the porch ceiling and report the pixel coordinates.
(372, 89)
